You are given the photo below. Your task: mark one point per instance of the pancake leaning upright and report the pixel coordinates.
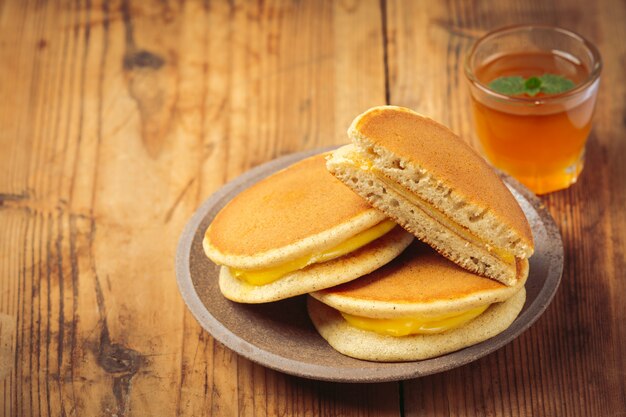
(298, 231)
(433, 184)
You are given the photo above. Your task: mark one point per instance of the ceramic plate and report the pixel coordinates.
(280, 335)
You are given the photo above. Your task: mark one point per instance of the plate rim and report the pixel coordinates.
(298, 368)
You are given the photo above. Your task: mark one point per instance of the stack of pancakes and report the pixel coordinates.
(339, 227)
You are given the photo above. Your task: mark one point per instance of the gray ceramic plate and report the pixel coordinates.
(280, 335)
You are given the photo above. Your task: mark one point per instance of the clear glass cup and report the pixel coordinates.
(540, 140)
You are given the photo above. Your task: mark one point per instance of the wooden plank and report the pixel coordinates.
(121, 117)
(571, 362)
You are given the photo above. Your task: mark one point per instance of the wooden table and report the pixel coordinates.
(119, 118)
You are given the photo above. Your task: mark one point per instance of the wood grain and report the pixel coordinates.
(118, 118)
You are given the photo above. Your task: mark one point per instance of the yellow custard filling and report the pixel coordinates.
(414, 325)
(266, 276)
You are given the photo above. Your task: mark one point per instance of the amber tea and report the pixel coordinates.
(533, 108)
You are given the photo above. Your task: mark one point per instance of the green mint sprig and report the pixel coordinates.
(546, 83)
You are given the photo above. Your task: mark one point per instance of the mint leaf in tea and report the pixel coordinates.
(550, 72)
(532, 86)
(546, 83)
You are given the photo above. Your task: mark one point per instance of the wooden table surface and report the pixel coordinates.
(117, 119)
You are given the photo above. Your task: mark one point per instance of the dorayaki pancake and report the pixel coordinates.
(433, 184)
(366, 345)
(425, 143)
(418, 306)
(300, 209)
(297, 231)
(320, 275)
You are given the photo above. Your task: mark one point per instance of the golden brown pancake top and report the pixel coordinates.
(419, 275)
(437, 149)
(295, 203)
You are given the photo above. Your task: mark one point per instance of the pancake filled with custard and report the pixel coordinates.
(296, 231)
(431, 182)
(419, 306)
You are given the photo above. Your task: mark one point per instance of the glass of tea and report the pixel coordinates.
(533, 91)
